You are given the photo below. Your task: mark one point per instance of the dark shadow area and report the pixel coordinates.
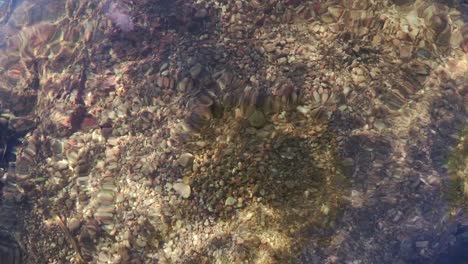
(449, 121)
(11, 202)
(428, 149)
(279, 174)
(10, 251)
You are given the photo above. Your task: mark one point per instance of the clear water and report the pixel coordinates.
(233, 132)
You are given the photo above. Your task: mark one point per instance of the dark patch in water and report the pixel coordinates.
(10, 251)
(458, 252)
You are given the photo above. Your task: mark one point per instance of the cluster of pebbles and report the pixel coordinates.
(259, 131)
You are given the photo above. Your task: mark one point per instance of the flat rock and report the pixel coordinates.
(182, 189)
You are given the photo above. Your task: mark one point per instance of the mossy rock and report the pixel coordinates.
(257, 119)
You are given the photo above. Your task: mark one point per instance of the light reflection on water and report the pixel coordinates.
(124, 22)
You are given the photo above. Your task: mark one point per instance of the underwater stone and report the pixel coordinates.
(230, 201)
(185, 160)
(257, 119)
(182, 189)
(201, 13)
(195, 70)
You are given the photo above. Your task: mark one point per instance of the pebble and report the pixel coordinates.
(182, 189)
(119, 198)
(397, 217)
(346, 90)
(201, 13)
(230, 201)
(405, 51)
(62, 164)
(195, 70)
(257, 119)
(302, 109)
(73, 224)
(140, 242)
(423, 53)
(282, 60)
(270, 47)
(182, 85)
(164, 66)
(185, 160)
(324, 209)
(379, 124)
(290, 40)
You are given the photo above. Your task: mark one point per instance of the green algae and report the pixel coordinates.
(456, 187)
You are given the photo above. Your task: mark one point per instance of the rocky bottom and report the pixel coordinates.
(233, 132)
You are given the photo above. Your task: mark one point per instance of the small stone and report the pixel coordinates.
(185, 160)
(201, 13)
(290, 40)
(230, 201)
(148, 202)
(182, 189)
(356, 199)
(327, 18)
(270, 47)
(182, 85)
(397, 217)
(302, 109)
(358, 78)
(201, 144)
(62, 164)
(346, 90)
(282, 60)
(405, 51)
(158, 189)
(140, 242)
(164, 66)
(73, 224)
(179, 224)
(195, 70)
(376, 40)
(421, 244)
(379, 124)
(119, 198)
(257, 119)
(424, 53)
(342, 107)
(324, 209)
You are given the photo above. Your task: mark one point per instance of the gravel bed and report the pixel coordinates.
(233, 131)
